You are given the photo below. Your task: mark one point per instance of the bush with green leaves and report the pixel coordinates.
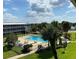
(67, 35)
(66, 26)
(51, 34)
(26, 48)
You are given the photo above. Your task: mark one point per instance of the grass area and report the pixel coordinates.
(73, 36)
(8, 54)
(19, 35)
(13, 52)
(70, 52)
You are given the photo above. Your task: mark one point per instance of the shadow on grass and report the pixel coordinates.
(45, 54)
(18, 53)
(7, 48)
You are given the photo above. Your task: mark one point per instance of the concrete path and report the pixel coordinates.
(71, 31)
(73, 42)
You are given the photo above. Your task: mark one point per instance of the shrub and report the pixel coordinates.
(68, 36)
(26, 48)
(7, 47)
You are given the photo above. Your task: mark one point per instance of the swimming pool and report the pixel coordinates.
(36, 38)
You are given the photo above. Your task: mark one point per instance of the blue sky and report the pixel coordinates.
(37, 11)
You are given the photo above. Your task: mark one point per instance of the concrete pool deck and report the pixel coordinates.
(24, 40)
(34, 48)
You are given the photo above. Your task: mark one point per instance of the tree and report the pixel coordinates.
(11, 39)
(26, 48)
(74, 24)
(34, 27)
(42, 26)
(57, 25)
(74, 2)
(66, 26)
(51, 34)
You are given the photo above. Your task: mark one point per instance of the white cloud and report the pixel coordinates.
(7, 0)
(35, 17)
(70, 5)
(44, 5)
(15, 9)
(42, 14)
(4, 10)
(8, 17)
(67, 16)
(42, 10)
(72, 10)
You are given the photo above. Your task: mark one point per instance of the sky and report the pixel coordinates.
(37, 11)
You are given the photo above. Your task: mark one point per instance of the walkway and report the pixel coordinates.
(73, 42)
(71, 31)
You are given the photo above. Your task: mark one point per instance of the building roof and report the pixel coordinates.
(13, 23)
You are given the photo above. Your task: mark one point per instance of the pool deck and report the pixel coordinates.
(34, 48)
(24, 40)
(35, 44)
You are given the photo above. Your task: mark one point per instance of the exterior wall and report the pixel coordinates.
(15, 28)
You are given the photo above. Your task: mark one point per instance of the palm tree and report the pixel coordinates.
(74, 2)
(41, 26)
(66, 26)
(51, 34)
(34, 27)
(57, 25)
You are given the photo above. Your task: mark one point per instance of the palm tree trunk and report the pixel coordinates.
(53, 46)
(60, 41)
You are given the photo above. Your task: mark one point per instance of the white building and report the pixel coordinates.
(15, 28)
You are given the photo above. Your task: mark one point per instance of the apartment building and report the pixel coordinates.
(15, 28)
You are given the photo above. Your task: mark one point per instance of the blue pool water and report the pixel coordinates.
(36, 38)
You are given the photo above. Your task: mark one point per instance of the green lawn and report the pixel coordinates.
(13, 52)
(73, 36)
(19, 35)
(70, 52)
